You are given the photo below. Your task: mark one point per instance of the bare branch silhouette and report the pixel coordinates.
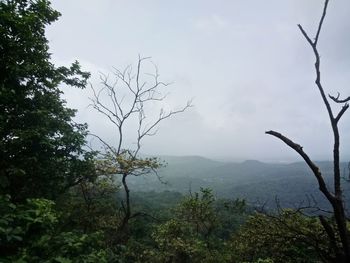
(122, 101)
(334, 197)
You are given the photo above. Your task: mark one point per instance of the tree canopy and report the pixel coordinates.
(41, 147)
(62, 203)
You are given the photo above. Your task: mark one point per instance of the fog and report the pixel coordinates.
(244, 63)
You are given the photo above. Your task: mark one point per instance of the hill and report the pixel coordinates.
(292, 184)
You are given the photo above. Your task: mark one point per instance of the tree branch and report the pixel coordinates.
(337, 100)
(321, 21)
(316, 171)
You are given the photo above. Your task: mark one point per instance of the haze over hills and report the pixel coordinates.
(293, 184)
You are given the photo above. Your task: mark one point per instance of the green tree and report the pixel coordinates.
(288, 236)
(91, 206)
(195, 234)
(28, 233)
(41, 147)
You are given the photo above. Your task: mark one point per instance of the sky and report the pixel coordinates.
(244, 63)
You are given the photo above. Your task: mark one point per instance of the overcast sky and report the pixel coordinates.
(244, 62)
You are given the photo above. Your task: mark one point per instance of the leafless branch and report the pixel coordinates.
(138, 94)
(312, 165)
(336, 199)
(338, 100)
(103, 142)
(341, 112)
(321, 21)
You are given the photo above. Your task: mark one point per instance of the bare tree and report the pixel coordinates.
(335, 227)
(123, 101)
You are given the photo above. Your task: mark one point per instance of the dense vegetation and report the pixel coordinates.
(254, 181)
(62, 203)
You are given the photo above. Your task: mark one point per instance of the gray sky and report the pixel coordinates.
(244, 62)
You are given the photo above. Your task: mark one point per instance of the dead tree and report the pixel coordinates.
(337, 231)
(121, 102)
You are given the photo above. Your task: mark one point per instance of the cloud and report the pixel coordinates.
(211, 23)
(245, 63)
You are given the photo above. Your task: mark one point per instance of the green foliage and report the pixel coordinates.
(22, 223)
(91, 206)
(41, 147)
(126, 163)
(28, 233)
(198, 211)
(287, 237)
(42, 159)
(178, 242)
(193, 234)
(67, 247)
(41, 151)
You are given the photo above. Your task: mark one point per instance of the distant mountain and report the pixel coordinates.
(292, 184)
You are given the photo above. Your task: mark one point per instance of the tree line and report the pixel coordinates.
(64, 201)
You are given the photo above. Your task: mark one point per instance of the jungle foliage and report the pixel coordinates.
(61, 203)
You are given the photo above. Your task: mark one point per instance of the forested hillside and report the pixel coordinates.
(64, 199)
(256, 182)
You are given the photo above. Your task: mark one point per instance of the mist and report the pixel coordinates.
(245, 64)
